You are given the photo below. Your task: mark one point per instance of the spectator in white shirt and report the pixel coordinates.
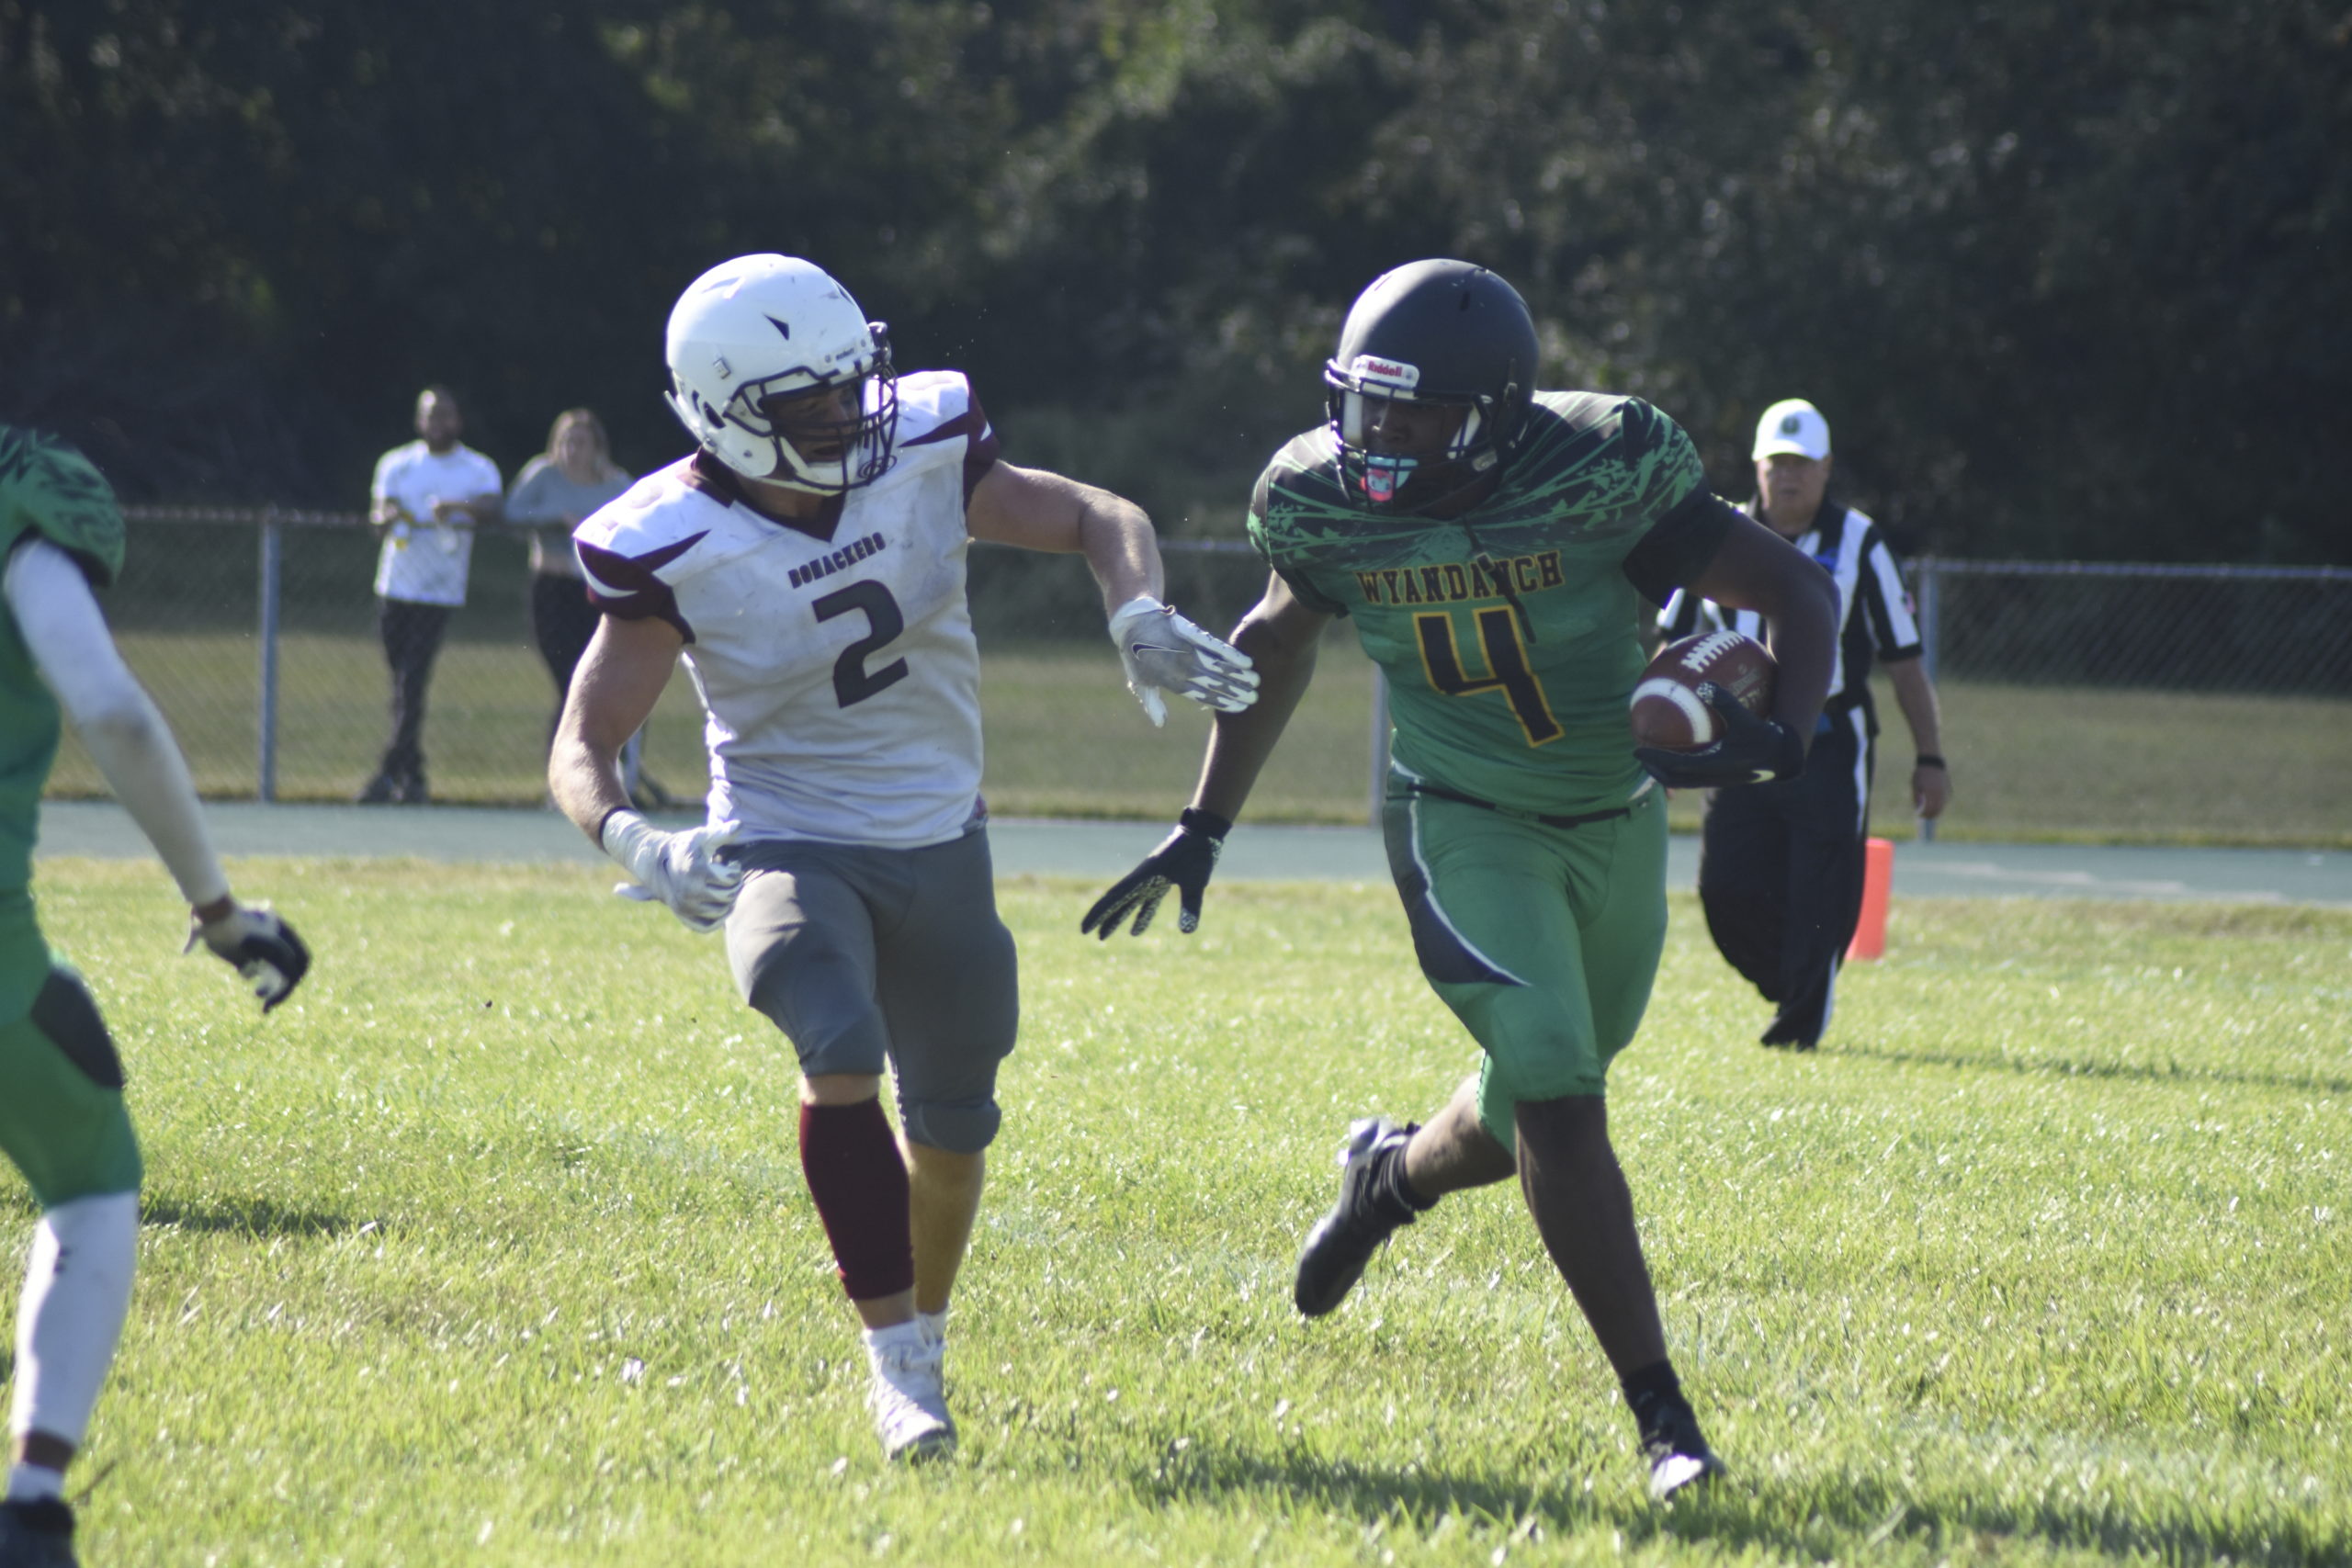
(428, 497)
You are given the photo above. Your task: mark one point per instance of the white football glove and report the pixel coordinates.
(252, 939)
(1163, 651)
(682, 870)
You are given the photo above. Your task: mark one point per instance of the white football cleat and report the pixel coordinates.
(908, 1400)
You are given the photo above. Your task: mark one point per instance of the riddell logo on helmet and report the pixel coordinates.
(1395, 373)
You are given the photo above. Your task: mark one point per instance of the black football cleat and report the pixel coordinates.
(1343, 1241)
(37, 1534)
(1676, 1450)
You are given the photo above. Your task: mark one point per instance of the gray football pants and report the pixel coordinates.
(867, 957)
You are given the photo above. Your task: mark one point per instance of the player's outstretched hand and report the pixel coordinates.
(1749, 750)
(258, 944)
(1163, 651)
(681, 870)
(1183, 861)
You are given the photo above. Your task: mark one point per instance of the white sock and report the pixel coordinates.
(77, 1290)
(908, 1334)
(933, 1325)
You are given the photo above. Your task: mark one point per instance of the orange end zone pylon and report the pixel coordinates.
(1878, 874)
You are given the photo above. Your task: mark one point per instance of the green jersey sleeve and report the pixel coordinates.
(50, 491)
(1291, 568)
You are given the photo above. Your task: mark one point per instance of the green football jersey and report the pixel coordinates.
(47, 490)
(1509, 635)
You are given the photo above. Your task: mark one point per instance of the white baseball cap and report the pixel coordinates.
(1792, 426)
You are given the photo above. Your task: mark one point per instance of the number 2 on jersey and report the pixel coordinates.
(853, 682)
(1506, 661)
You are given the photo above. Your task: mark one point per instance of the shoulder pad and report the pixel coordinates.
(1298, 499)
(1572, 413)
(939, 418)
(661, 519)
(48, 487)
(1310, 458)
(929, 398)
(1656, 462)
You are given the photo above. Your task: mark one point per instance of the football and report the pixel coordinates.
(1667, 711)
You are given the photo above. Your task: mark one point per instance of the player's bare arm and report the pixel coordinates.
(1916, 694)
(621, 677)
(1037, 510)
(1281, 635)
(1755, 568)
(1159, 649)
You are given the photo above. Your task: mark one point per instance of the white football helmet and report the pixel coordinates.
(768, 326)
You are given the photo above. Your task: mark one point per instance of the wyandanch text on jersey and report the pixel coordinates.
(1453, 582)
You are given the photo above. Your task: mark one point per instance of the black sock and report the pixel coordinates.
(44, 1515)
(1652, 1389)
(1392, 1190)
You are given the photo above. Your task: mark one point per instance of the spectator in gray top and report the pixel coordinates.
(554, 493)
(555, 490)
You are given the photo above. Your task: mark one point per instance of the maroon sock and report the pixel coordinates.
(859, 1184)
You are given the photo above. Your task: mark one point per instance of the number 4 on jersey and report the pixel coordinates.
(1506, 659)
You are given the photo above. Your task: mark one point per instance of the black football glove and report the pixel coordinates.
(1183, 861)
(252, 939)
(1749, 750)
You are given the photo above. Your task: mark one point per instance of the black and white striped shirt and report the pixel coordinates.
(1874, 613)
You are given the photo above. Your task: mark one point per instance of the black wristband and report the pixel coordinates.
(1207, 824)
(1930, 760)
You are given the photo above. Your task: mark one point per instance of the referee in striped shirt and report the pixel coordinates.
(1780, 864)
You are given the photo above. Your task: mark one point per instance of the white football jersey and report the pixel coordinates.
(834, 655)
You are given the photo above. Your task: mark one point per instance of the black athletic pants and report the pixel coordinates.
(561, 622)
(412, 634)
(1781, 876)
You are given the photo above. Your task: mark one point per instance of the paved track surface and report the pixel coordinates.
(1102, 850)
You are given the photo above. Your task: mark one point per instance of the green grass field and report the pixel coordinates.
(492, 1247)
(1065, 739)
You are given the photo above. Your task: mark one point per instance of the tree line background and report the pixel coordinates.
(2069, 280)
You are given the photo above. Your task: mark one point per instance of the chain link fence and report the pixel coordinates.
(2100, 624)
(2122, 701)
(2080, 700)
(255, 630)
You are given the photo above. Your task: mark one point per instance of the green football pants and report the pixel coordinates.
(62, 1117)
(1544, 940)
